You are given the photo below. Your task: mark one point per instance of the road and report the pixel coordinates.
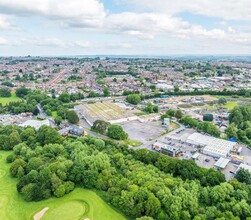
(44, 115)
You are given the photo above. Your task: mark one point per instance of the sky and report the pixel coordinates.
(125, 27)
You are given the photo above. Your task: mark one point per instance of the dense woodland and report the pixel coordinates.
(138, 182)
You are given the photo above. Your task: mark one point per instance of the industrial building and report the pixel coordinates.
(214, 147)
(164, 148)
(221, 163)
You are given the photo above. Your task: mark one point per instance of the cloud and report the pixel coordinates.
(4, 42)
(89, 13)
(150, 20)
(228, 10)
(4, 24)
(148, 25)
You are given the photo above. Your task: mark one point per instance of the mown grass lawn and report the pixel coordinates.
(77, 205)
(7, 100)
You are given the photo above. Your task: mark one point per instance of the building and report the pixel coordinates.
(221, 163)
(164, 148)
(75, 130)
(214, 147)
(195, 156)
(166, 121)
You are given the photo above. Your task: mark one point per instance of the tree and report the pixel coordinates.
(101, 126)
(60, 191)
(58, 120)
(176, 88)
(72, 117)
(92, 94)
(100, 144)
(116, 132)
(209, 128)
(21, 92)
(48, 135)
(133, 99)
(178, 114)
(27, 133)
(243, 175)
(64, 97)
(150, 108)
(231, 132)
(222, 101)
(14, 139)
(171, 112)
(5, 93)
(15, 166)
(106, 92)
(48, 112)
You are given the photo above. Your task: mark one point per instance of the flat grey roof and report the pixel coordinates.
(222, 163)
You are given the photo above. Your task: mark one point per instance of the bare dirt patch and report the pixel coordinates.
(40, 214)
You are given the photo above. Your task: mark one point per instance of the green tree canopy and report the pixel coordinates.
(72, 117)
(117, 132)
(133, 99)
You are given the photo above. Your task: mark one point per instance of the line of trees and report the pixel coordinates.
(224, 92)
(205, 126)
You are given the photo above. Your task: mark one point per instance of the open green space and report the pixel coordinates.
(132, 143)
(79, 204)
(230, 105)
(7, 100)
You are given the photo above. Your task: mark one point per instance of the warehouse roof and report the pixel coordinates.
(222, 163)
(212, 144)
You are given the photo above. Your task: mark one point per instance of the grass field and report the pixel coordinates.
(77, 205)
(133, 143)
(230, 105)
(7, 100)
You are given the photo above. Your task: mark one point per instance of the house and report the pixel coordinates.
(78, 131)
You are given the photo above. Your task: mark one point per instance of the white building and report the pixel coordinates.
(214, 147)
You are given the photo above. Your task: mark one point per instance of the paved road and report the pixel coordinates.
(44, 115)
